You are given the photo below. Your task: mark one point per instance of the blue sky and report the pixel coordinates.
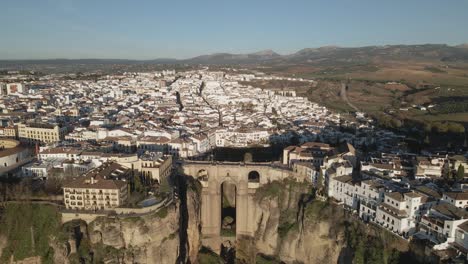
(39, 29)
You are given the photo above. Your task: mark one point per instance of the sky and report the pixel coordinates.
(138, 29)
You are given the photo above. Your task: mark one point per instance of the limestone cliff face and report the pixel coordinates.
(311, 245)
(147, 239)
(193, 225)
(295, 228)
(61, 251)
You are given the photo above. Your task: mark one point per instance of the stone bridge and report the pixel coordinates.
(246, 177)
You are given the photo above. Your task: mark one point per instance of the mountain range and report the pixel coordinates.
(328, 54)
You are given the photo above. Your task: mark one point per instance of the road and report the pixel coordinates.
(344, 97)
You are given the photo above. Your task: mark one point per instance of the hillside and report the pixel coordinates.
(312, 56)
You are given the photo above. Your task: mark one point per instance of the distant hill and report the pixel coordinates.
(84, 61)
(323, 55)
(333, 54)
(227, 58)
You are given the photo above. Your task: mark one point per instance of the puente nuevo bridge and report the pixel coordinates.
(247, 178)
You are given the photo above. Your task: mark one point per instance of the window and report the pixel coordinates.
(254, 176)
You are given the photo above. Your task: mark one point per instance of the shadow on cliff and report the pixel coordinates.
(183, 184)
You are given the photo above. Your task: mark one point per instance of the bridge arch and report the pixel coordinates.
(228, 208)
(247, 178)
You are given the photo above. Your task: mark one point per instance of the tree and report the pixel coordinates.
(320, 181)
(394, 257)
(460, 172)
(456, 128)
(137, 183)
(427, 140)
(359, 253)
(53, 184)
(165, 186)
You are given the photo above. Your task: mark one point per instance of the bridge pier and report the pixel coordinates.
(212, 176)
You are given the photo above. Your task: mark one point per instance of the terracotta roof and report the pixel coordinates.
(60, 150)
(451, 211)
(344, 178)
(97, 183)
(11, 151)
(154, 139)
(413, 194)
(428, 191)
(457, 195)
(395, 196)
(393, 211)
(464, 226)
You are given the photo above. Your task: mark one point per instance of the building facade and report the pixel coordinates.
(40, 133)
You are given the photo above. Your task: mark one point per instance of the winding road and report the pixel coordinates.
(344, 97)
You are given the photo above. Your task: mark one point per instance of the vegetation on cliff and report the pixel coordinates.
(29, 229)
(302, 215)
(205, 255)
(372, 244)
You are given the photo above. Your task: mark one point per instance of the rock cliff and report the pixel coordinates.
(152, 238)
(293, 227)
(146, 239)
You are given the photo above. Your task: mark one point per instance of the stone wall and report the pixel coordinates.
(88, 217)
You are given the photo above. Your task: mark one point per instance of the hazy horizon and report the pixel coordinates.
(148, 30)
(223, 52)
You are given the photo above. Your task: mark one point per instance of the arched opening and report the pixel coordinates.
(228, 209)
(254, 176)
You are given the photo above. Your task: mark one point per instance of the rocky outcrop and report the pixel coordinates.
(61, 251)
(293, 227)
(30, 260)
(193, 226)
(147, 239)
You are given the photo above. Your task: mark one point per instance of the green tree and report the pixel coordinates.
(456, 128)
(427, 127)
(394, 257)
(427, 140)
(165, 186)
(460, 172)
(359, 253)
(137, 185)
(440, 127)
(375, 254)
